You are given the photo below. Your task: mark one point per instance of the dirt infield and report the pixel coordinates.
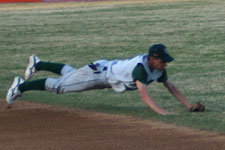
(33, 126)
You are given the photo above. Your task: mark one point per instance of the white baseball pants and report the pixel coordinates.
(76, 80)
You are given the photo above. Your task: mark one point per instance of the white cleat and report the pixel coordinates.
(30, 70)
(14, 92)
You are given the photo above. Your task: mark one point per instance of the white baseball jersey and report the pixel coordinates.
(120, 73)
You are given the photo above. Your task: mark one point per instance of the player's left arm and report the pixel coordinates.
(176, 93)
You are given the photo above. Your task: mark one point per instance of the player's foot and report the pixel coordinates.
(14, 92)
(30, 70)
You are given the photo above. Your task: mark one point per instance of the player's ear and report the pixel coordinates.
(150, 59)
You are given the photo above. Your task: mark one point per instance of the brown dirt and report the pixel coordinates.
(31, 126)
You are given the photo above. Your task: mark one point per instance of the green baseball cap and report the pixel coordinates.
(160, 51)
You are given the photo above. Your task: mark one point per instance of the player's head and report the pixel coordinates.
(159, 57)
(160, 51)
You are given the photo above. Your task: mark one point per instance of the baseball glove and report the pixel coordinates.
(197, 107)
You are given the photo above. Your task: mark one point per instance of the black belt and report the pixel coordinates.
(94, 67)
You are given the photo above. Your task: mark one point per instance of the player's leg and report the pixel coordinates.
(35, 64)
(81, 80)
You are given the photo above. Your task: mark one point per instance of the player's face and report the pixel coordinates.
(156, 63)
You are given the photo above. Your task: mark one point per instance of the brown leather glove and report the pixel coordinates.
(197, 107)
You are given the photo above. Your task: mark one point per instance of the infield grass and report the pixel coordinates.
(79, 33)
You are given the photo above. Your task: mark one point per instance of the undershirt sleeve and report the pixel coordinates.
(139, 73)
(163, 77)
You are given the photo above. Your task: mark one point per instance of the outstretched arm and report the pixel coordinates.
(177, 93)
(146, 97)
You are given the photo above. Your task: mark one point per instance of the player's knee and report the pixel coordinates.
(53, 85)
(67, 69)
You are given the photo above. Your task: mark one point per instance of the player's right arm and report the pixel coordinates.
(147, 98)
(140, 77)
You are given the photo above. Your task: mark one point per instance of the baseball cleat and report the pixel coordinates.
(14, 92)
(30, 70)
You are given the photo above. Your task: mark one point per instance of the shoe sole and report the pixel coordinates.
(29, 66)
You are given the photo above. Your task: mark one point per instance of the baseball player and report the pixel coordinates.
(120, 75)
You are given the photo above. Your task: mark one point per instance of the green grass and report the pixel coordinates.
(193, 31)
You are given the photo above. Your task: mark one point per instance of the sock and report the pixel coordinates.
(48, 66)
(33, 85)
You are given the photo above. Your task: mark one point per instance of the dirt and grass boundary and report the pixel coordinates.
(30, 125)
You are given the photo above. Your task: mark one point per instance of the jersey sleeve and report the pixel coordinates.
(139, 73)
(163, 77)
